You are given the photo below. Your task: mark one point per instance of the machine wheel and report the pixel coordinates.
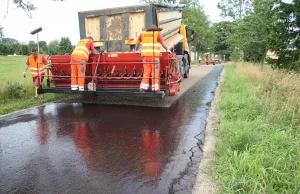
(186, 66)
(181, 67)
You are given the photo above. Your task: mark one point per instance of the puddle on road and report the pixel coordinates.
(107, 149)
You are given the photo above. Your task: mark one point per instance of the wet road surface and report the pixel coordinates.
(88, 148)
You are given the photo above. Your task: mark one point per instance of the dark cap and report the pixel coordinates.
(153, 28)
(33, 50)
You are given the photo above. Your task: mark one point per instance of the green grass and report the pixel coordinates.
(16, 92)
(195, 62)
(258, 150)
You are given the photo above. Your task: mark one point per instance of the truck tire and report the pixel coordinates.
(186, 65)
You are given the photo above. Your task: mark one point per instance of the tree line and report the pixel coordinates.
(254, 27)
(9, 46)
(261, 25)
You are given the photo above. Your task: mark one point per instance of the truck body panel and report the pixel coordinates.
(116, 25)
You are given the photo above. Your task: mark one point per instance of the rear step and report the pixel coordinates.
(128, 92)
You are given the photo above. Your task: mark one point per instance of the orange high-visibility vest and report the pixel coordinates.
(81, 50)
(34, 69)
(150, 45)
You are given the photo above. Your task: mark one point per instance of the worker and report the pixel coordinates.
(37, 70)
(200, 60)
(79, 58)
(208, 61)
(151, 40)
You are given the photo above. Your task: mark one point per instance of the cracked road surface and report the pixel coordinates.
(88, 148)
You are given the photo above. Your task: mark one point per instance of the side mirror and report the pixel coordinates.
(190, 34)
(192, 37)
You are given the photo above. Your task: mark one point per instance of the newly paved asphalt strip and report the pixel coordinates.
(65, 147)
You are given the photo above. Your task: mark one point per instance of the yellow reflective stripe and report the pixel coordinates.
(81, 52)
(150, 48)
(36, 73)
(150, 51)
(82, 47)
(150, 44)
(36, 68)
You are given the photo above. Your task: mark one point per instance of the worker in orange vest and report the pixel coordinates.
(209, 61)
(36, 64)
(79, 58)
(151, 40)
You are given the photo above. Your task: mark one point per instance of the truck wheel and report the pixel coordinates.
(181, 68)
(186, 66)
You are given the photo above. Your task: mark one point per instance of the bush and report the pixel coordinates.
(235, 55)
(14, 90)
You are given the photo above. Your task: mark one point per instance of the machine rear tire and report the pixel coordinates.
(181, 68)
(186, 65)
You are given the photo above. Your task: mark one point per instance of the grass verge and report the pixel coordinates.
(258, 137)
(17, 92)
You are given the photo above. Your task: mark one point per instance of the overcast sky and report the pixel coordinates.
(60, 19)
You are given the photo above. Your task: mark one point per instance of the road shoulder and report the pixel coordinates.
(205, 184)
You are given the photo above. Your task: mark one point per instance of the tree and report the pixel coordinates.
(223, 45)
(23, 50)
(53, 47)
(3, 49)
(194, 16)
(43, 47)
(236, 55)
(285, 36)
(250, 35)
(27, 6)
(1, 33)
(31, 44)
(65, 45)
(235, 9)
(8, 41)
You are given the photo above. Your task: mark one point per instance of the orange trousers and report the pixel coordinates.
(78, 67)
(153, 69)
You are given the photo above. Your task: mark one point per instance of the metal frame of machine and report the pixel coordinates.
(112, 74)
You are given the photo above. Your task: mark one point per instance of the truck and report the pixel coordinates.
(117, 70)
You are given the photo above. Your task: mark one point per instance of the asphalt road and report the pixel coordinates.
(103, 148)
